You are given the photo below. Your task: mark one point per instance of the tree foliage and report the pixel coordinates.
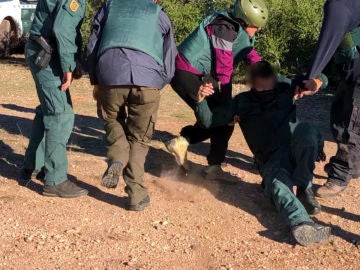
(287, 41)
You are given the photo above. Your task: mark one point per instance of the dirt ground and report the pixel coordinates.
(191, 224)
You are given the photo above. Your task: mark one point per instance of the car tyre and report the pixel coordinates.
(5, 34)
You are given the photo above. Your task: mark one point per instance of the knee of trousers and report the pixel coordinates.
(276, 182)
(306, 135)
(188, 131)
(59, 126)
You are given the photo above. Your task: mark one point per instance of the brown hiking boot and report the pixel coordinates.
(308, 233)
(112, 175)
(178, 147)
(330, 189)
(140, 206)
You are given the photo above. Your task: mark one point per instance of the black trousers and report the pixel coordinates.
(186, 85)
(345, 125)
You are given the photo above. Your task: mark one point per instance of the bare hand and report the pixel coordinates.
(205, 90)
(66, 81)
(312, 86)
(96, 92)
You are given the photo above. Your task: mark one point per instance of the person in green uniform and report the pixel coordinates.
(285, 150)
(52, 53)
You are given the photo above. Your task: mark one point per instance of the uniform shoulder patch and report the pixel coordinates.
(74, 5)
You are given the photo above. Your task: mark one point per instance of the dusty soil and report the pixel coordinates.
(191, 224)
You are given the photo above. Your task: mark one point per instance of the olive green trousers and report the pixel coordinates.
(128, 132)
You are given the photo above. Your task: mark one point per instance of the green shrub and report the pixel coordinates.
(290, 36)
(287, 41)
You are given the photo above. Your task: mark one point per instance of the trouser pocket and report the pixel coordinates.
(150, 129)
(53, 100)
(143, 104)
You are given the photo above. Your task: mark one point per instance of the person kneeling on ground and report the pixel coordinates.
(284, 149)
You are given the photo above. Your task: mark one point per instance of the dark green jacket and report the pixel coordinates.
(61, 20)
(267, 122)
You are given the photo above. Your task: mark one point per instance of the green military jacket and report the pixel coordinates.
(61, 20)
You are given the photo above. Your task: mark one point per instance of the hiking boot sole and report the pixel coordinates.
(65, 196)
(137, 207)
(111, 178)
(306, 235)
(329, 195)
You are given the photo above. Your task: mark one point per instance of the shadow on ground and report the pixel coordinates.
(13, 60)
(87, 138)
(247, 196)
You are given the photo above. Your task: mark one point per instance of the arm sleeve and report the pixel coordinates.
(218, 116)
(252, 57)
(324, 80)
(203, 114)
(336, 24)
(170, 50)
(66, 24)
(94, 42)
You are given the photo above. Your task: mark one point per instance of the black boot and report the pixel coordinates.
(65, 189)
(41, 175)
(27, 175)
(141, 205)
(307, 197)
(112, 174)
(308, 233)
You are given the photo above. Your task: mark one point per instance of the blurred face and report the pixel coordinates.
(263, 84)
(251, 30)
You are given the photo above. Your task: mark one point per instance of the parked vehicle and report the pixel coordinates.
(16, 18)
